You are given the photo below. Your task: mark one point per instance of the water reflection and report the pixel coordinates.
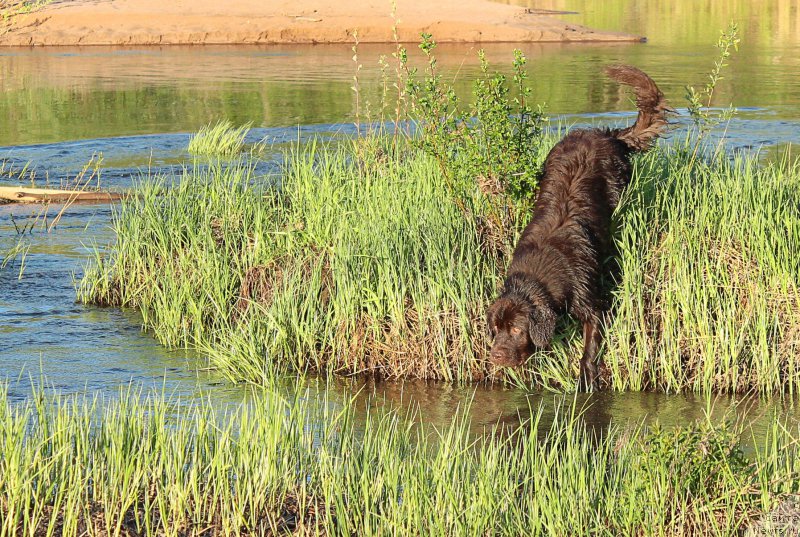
(43, 331)
(53, 95)
(690, 22)
(438, 404)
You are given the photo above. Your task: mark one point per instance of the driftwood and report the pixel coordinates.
(14, 194)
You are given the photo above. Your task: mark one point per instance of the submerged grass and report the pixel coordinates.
(19, 251)
(357, 258)
(138, 465)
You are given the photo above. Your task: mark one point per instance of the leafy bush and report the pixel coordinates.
(495, 143)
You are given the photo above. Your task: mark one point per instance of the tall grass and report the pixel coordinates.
(708, 298)
(9, 257)
(138, 465)
(361, 260)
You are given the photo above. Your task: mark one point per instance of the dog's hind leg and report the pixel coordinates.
(592, 339)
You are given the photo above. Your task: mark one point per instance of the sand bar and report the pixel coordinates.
(172, 22)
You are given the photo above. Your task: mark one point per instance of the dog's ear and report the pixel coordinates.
(541, 326)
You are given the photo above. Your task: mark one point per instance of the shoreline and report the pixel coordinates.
(185, 22)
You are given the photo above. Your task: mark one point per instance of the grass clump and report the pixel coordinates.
(709, 299)
(138, 465)
(221, 139)
(353, 265)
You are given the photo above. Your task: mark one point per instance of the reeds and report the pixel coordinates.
(353, 265)
(709, 297)
(149, 465)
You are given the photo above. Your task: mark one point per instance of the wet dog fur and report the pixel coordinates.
(556, 265)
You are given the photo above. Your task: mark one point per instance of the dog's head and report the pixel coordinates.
(518, 328)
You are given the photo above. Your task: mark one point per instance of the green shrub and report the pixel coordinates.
(495, 143)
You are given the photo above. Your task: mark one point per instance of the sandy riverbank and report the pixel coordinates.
(160, 22)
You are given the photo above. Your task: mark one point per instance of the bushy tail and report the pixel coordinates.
(653, 108)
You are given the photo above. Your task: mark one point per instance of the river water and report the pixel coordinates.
(60, 107)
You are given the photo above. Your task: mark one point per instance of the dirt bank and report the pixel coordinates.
(160, 22)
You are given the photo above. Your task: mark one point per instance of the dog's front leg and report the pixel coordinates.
(592, 339)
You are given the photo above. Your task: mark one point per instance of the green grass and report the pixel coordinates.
(220, 139)
(19, 251)
(353, 266)
(135, 465)
(362, 261)
(709, 299)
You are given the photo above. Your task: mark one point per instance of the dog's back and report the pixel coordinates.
(581, 184)
(566, 239)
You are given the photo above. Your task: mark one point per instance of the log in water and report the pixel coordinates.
(13, 194)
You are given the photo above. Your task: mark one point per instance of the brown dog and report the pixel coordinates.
(557, 262)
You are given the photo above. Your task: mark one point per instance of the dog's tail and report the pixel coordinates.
(653, 108)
